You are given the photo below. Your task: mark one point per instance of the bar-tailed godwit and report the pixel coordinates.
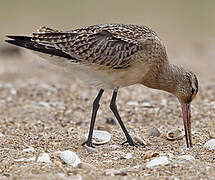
(113, 56)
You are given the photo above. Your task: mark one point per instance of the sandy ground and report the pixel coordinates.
(50, 111)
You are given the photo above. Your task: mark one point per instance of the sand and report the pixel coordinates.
(48, 111)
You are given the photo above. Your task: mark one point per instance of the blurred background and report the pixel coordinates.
(186, 27)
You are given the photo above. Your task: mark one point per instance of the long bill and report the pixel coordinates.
(187, 123)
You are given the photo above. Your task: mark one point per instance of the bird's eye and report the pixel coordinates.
(193, 90)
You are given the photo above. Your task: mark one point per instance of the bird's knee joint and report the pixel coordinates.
(95, 105)
(113, 106)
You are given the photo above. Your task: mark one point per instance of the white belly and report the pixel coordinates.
(98, 76)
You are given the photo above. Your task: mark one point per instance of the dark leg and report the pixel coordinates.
(113, 107)
(93, 118)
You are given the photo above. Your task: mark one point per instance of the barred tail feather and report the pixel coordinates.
(25, 42)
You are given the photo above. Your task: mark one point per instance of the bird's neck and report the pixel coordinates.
(163, 77)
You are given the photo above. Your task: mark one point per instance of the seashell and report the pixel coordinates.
(163, 160)
(1, 135)
(174, 135)
(44, 157)
(69, 157)
(210, 144)
(100, 137)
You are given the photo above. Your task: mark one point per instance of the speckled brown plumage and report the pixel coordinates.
(112, 45)
(113, 56)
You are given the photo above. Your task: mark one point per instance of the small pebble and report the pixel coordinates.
(154, 132)
(127, 156)
(170, 155)
(115, 172)
(111, 121)
(210, 144)
(132, 103)
(13, 91)
(113, 146)
(44, 104)
(108, 161)
(186, 157)
(29, 149)
(147, 105)
(43, 157)
(115, 158)
(99, 112)
(91, 150)
(86, 166)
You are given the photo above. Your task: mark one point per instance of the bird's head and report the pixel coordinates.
(186, 90)
(186, 87)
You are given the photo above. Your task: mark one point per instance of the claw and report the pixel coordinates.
(88, 143)
(131, 143)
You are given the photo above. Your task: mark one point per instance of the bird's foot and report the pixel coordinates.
(88, 143)
(131, 143)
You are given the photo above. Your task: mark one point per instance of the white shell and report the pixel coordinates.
(43, 157)
(210, 144)
(1, 135)
(69, 157)
(163, 160)
(186, 157)
(174, 135)
(100, 137)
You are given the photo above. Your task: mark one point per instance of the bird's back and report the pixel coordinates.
(112, 48)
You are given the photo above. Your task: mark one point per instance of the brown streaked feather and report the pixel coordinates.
(112, 45)
(45, 29)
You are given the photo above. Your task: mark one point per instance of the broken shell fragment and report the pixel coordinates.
(174, 135)
(100, 137)
(139, 140)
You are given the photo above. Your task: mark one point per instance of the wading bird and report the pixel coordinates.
(113, 56)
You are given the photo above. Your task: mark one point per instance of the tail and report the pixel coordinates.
(26, 42)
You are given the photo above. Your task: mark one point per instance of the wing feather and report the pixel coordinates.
(111, 45)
